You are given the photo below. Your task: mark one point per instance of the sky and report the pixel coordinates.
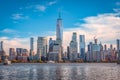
(22, 19)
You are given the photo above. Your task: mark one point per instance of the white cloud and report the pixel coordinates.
(40, 7)
(14, 43)
(8, 31)
(118, 3)
(106, 27)
(117, 10)
(51, 3)
(19, 16)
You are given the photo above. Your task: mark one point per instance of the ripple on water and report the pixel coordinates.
(74, 71)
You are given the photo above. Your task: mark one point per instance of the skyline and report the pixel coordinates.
(84, 17)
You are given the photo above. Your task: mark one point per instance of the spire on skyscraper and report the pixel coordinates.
(59, 15)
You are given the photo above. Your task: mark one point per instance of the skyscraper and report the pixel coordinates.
(90, 51)
(19, 51)
(96, 51)
(55, 46)
(12, 54)
(105, 47)
(1, 46)
(73, 43)
(31, 48)
(31, 43)
(82, 46)
(118, 48)
(41, 47)
(51, 44)
(73, 47)
(59, 31)
(111, 46)
(68, 52)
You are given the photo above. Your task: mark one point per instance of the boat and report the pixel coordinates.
(6, 62)
(51, 61)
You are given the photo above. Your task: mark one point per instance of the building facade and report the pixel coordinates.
(118, 48)
(73, 47)
(82, 46)
(31, 55)
(41, 47)
(12, 54)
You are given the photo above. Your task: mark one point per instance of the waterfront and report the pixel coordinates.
(68, 71)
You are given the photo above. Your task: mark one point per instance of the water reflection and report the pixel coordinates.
(60, 72)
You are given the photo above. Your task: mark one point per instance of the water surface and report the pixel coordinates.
(70, 71)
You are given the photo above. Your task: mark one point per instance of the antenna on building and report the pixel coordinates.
(95, 39)
(59, 13)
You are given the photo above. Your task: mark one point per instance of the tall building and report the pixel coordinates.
(111, 46)
(31, 43)
(55, 55)
(96, 51)
(118, 48)
(68, 52)
(73, 47)
(59, 31)
(2, 52)
(105, 47)
(12, 54)
(55, 46)
(19, 51)
(82, 46)
(41, 47)
(1, 46)
(22, 54)
(90, 51)
(31, 48)
(51, 44)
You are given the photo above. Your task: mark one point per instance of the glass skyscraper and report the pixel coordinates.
(31, 48)
(82, 46)
(41, 47)
(59, 31)
(118, 48)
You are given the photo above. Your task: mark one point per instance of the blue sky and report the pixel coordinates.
(26, 18)
(38, 16)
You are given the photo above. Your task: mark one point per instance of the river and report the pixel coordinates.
(63, 71)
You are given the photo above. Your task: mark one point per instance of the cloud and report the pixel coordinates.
(118, 3)
(40, 7)
(19, 16)
(14, 43)
(8, 31)
(117, 10)
(52, 3)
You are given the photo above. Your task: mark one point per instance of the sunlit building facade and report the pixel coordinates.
(82, 46)
(41, 47)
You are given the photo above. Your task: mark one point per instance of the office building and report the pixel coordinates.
(51, 44)
(31, 48)
(55, 46)
(59, 31)
(12, 54)
(41, 47)
(73, 47)
(1, 46)
(96, 51)
(90, 52)
(82, 46)
(118, 48)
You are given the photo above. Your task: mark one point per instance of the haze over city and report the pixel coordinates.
(22, 19)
